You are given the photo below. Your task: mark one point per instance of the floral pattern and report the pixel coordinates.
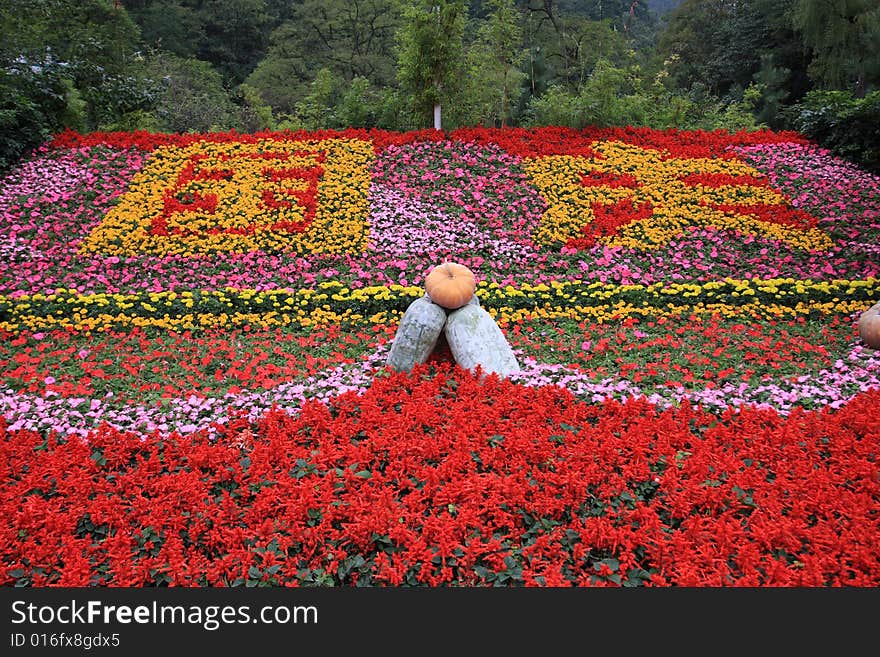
(203, 321)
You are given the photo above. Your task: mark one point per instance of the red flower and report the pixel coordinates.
(438, 477)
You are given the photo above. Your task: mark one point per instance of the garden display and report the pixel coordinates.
(202, 384)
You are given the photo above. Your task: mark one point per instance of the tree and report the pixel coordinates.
(167, 25)
(192, 96)
(282, 76)
(71, 31)
(351, 39)
(570, 44)
(431, 53)
(316, 110)
(64, 63)
(233, 35)
(721, 44)
(844, 37)
(661, 7)
(496, 61)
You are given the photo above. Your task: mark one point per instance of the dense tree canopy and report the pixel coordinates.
(844, 37)
(349, 38)
(179, 65)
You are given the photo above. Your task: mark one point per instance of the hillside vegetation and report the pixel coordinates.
(248, 65)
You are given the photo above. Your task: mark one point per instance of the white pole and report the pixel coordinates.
(437, 124)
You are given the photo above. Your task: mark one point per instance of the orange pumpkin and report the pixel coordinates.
(869, 326)
(450, 285)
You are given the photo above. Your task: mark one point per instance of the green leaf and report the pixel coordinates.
(98, 456)
(613, 564)
(745, 497)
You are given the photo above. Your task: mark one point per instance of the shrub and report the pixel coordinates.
(35, 101)
(842, 123)
(614, 96)
(191, 96)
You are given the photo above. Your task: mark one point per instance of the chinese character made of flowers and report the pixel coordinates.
(272, 195)
(624, 195)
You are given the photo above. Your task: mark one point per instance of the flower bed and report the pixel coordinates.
(684, 303)
(438, 479)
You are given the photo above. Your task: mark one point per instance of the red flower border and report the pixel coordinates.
(525, 142)
(440, 478)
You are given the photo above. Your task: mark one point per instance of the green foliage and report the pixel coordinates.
(358, 105)
(558, 106)
(66, 65)
(770, 81)
(538, 75)
(350, 39)
(332, 103)
(25, 114)
(110, 97)
(191, 96)
(844, 37)
(624, 16)
(720, 43)
(495, 62)
(663, 6)
(607, 97)
(137, 120)
(233, 36)
(394, 110)
(280, 78)
(70, 31)
(611, 96)
(36, 100)
(22, 26)
(256, 115)
(317, 109)
(168, 25)
(571, 45)
(739, 115)
(74, 113)
(430, 52)
(842, 123)
(621, 96)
